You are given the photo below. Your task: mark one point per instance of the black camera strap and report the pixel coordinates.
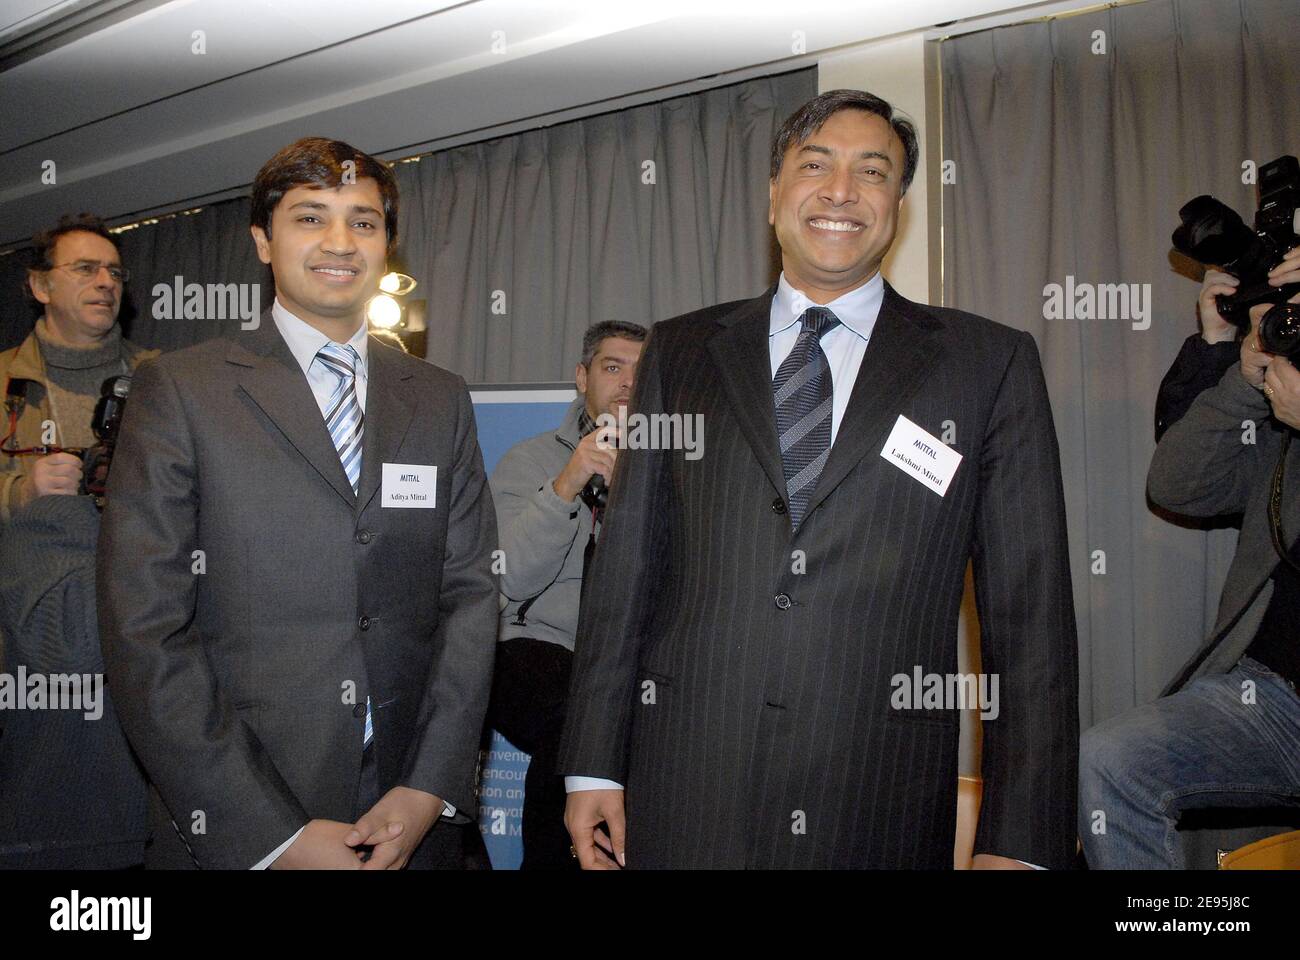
(1275, 506)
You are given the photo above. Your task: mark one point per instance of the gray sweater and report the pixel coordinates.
(543, 536)
(1209, 464)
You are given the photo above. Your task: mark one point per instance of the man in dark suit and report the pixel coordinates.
(738, 673)
(297, 609)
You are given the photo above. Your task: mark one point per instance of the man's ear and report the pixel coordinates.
(771, 202)
(39, 285)
(263, 243)
(580, 379)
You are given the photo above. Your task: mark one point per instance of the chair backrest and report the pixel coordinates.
(1281, 852)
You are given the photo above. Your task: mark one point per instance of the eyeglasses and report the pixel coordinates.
(89, 270)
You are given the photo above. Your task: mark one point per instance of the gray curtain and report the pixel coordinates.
(1074, 163)
(560, 220)
(558, 228)
(211, 246)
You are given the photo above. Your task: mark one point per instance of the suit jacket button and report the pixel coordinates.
(783, 602)
(359, 711)
(778, 507)
(364, 623)
(363, 536)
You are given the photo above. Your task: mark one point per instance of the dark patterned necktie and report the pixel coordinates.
(801, 391)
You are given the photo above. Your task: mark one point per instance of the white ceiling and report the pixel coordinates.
(137, 122)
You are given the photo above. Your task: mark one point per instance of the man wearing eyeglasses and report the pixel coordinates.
(71, 795)
(77, 344)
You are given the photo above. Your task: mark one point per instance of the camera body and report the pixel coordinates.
(595, 494)
(106, 422)
(1212, 233)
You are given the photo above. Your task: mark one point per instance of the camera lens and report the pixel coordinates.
(1212, 232)
(1279, 330)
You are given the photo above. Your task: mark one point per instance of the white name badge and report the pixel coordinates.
(411, 485)
(927, 458)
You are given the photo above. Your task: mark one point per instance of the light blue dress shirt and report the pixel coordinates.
(844, 347)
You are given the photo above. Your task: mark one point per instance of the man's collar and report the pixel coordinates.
(304, 340)
(857, 309)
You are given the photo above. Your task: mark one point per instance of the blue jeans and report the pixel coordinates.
(1201, 747)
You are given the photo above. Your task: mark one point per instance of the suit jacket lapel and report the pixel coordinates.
(388, 415)
(273, 380)
(742, 355)
(902, 349)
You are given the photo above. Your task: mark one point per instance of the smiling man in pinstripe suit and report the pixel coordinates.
(731, 698)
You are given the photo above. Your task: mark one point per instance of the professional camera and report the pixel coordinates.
(106, 422)
(1212, 233)
(107, 419)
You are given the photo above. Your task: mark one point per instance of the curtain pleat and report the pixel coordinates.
(1073, 162)
(520, 243)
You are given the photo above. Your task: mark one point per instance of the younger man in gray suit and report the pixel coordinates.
(297, 609)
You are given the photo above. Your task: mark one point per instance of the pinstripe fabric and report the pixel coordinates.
(735, 673)
(801, 393)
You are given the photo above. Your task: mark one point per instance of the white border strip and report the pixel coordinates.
(523, 396)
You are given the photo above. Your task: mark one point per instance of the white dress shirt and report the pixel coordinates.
(305, 342)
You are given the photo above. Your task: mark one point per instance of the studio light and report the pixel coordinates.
(384, 312)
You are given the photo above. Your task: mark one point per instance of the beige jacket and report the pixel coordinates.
(24, 362)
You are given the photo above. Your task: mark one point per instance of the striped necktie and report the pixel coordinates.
(802, 394)
(344, 418)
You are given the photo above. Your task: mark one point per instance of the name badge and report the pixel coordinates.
(926, 458)
(410, 485)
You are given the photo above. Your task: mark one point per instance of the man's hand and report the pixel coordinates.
(55, 473)
(987, 861)
(583, 811)
(1282, 387)
(320, 846)
(395, 826)
(595, 453)
(1288, 271)
(1255, 361)
(1215, 329)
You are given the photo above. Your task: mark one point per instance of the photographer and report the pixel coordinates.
(548, 511)
(1206, 356)
(1227, 731)
(76, 345)
(71, 795)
